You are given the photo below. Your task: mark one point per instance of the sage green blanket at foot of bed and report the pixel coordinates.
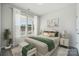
(25, 49)
(47, 41)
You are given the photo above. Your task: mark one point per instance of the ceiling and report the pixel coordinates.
(41, 8)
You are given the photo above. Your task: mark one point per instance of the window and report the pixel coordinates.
(23, 25)
(17, 25)
(30, 25)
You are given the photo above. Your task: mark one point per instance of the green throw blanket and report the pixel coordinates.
(47, 41)
(25, 49)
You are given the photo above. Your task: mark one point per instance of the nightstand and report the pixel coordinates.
(64, 42)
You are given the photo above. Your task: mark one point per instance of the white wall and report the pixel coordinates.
(67, 17)
(0, 27)
(6, 19)
(77, 28)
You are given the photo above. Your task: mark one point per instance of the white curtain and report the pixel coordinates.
(16, 27)
(35, 25)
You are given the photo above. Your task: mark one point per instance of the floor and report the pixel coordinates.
(65, 51)
(60, 51)
(6, 52)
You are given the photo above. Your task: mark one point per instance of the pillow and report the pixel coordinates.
(56, 34)
(51, 34)
(45, 34)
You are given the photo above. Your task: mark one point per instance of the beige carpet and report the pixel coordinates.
(60, 51)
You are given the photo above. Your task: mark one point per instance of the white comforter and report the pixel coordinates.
(42, 48)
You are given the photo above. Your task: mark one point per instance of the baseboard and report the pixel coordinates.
(63, 46)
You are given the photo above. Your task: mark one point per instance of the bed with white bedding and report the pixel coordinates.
(42, 48)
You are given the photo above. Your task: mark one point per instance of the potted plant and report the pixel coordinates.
(7, 34)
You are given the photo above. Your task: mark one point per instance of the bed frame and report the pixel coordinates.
(49, 53)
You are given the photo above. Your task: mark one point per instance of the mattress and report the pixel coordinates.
(42, 48)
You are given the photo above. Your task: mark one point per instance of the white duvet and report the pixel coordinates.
(42, 48)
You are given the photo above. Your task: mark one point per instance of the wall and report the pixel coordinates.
(67, 17)
(77, 28)
(0, 27)
(6, 17)
(6, 20)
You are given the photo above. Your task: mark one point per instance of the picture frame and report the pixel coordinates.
(53, 22)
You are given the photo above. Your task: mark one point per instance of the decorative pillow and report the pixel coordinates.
(52, 34)
(56, 34)
(45, 34)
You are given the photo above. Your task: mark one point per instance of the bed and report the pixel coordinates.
(42, 48)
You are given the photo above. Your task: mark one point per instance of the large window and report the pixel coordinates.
(30, 25)
(23, 25)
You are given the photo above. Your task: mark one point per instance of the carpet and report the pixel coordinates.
(60, 51)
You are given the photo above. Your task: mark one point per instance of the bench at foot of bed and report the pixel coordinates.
(18, 51)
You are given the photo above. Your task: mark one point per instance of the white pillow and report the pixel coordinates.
(52, 34)
(45, 34)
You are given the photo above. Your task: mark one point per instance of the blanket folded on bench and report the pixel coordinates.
(25, 49)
